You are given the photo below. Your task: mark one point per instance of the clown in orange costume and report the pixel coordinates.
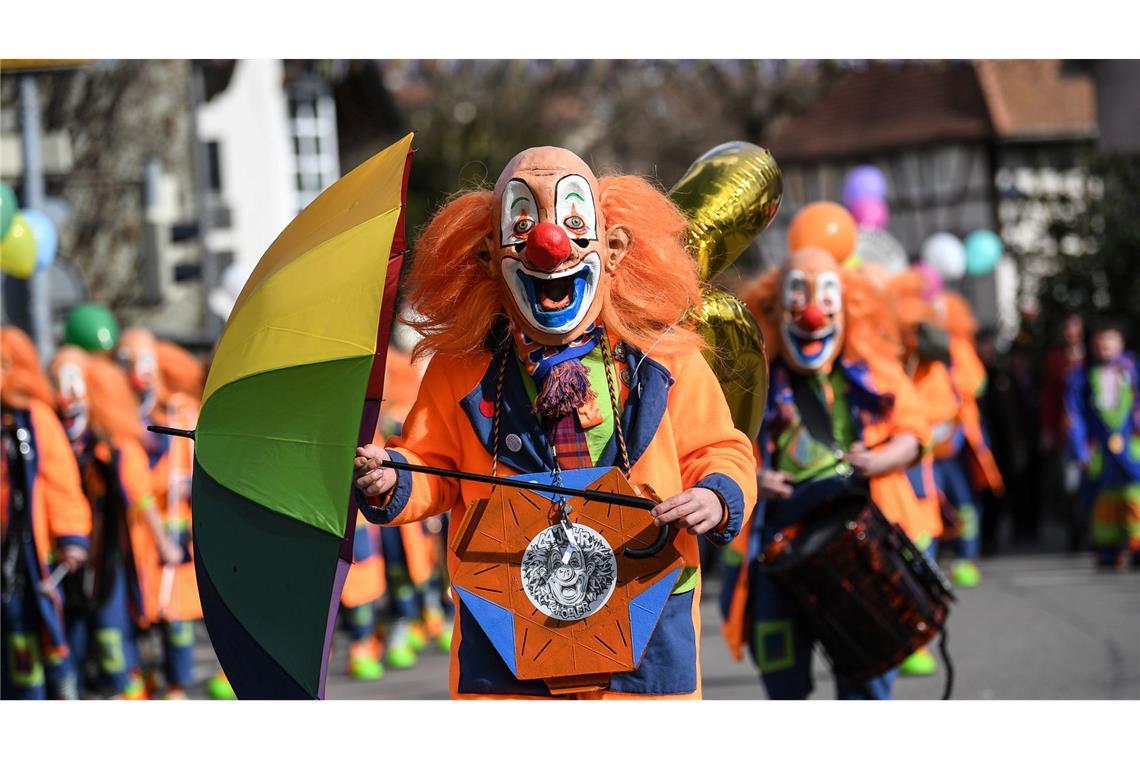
(840, 409)
(168, 382)
(535, 298)
(100, 414)
(46, 525)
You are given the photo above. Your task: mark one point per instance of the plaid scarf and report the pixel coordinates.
(563, 387)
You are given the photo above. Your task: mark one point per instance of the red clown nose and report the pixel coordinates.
(812, 318)
(547, 246)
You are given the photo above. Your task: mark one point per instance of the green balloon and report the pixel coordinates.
(91, 327)
(8, 209)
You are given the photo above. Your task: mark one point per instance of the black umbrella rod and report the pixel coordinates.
(163, 430)
(621, 500)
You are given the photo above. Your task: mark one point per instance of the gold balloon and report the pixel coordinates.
(737, 356)
(730, 195)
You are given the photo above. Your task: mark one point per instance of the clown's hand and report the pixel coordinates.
(898, 453)
(698, 510)
(369, 476)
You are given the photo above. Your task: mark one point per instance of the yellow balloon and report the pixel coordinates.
(737, 356)
(730, 195)
(18, 250)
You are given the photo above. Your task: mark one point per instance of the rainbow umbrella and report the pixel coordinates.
(294, 388)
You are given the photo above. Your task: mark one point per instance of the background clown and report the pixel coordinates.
(840, 409)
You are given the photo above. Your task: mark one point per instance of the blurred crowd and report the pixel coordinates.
(100, 596)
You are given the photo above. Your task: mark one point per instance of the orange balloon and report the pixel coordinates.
(823, 225)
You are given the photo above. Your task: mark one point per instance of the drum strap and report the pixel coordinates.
(813, 412)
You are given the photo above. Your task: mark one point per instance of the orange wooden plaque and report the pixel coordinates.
(572, 655)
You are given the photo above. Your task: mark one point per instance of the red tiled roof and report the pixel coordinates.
(886, 106)
(1031, 98)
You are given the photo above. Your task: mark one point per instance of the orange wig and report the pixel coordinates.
(178, 371)
(21, 376)
(114, 408)
(907, 294)
(455, 299)
(869, 333)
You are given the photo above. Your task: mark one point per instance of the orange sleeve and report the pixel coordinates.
(967, 370)
(68, 511)
(430, 436)
(909, 414)
(713, 453)
(135, 475)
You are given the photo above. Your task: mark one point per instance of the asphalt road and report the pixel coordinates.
(1039, 627)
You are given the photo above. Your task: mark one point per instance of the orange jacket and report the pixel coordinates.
(173, 470)
(60, 512)
(683, 436)
(969, 375)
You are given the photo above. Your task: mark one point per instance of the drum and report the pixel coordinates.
(866, 591)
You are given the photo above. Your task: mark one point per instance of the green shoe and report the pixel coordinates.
(401, 657)
(417, 640)
(444, 639)
(365, 668)
(965, 574)
(920, 663)
(218, 687)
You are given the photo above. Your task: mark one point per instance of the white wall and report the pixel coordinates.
(249, 121)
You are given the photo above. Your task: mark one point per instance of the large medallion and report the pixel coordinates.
(569, 571)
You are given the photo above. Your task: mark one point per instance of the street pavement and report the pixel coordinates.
(1039, 627)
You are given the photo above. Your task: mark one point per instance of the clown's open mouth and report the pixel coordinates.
(810, 349)
(553, 302)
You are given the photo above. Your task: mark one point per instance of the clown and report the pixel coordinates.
(554, 306)
(840, 410)
(168, 384)
(46, 525)
(101, 418)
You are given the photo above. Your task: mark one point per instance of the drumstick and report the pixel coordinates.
(47, 585)
(165, 590)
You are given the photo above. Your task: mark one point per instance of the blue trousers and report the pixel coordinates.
(951, 480)
(113, 635)
(27, 670)
(178, 652)
(404, 595)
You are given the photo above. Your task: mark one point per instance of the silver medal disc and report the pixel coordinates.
(565, 581)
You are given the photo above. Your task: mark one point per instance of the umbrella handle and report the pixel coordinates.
(163, 430)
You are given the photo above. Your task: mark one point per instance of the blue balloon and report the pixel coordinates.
(865, 181)
(984, 250)
(44, 232)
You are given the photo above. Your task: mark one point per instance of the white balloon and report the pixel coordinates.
(946, 254)
(882, 248)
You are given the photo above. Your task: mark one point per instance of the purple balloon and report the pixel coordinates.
(870, 213)
(864, 181)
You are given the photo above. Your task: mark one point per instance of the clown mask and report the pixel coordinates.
(136, 355)
(811, 328)
(66, 372)
(550, 248)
